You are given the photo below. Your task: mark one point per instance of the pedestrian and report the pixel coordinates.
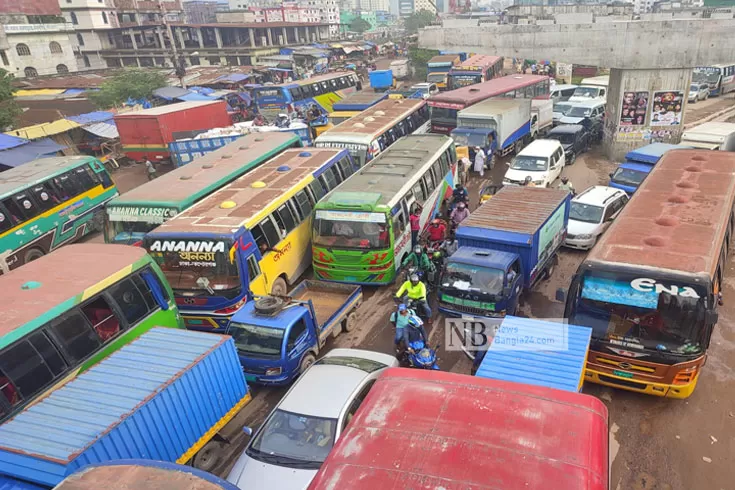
(152, 173)
(479, 161)
(415, 220)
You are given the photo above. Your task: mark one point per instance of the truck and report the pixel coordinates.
(147, 133)
(170, 395)
(434, 429)
(711, 136)
(505, 247)
(638, 164)
(266, 330)
(437, 69)
(542, 117)
(401, 69)
(382, 80)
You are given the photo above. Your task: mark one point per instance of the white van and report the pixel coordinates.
(400, 69)
(560, 93)
(591, 88)
(541, 160)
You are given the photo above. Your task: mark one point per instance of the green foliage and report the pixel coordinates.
(418, 20)
(9, 109)
(359, 25)
(419, 58)
(136, 84)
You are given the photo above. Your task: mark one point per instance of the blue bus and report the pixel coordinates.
(720, 78)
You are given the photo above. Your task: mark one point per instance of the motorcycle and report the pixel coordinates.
(421, 356)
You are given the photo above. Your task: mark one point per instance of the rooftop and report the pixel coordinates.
(323, 390)
(480, 91)
(35, 171)
(540, 148)
(374, 120)
(167, 109)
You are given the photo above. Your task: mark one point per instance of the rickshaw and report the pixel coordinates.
(489, 191)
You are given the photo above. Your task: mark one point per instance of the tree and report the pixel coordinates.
(419, 59)
(9, 109)
(135, 84)
(419, 20)
(360, 25)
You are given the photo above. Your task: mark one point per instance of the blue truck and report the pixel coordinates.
(278, 338)
(638, 164)
(505, 246)
(170, 395)
(382, 80)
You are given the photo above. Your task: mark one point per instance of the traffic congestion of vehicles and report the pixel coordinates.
(298, 312)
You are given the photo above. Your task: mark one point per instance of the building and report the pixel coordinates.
(200, 11)
(427, 5)
(34, 39)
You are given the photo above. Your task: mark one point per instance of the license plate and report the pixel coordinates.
(250, 378)
(623, 374)
(351, 278)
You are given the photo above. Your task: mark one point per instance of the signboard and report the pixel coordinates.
(640, 292)
(339, 145)
(140, 214)
(667, 108)
(188, 253)
(551, 233)
(350, 216)
(634, 108)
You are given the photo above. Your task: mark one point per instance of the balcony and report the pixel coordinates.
(31, 28)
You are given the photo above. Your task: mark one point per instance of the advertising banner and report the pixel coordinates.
(634, 108)
(667, 108)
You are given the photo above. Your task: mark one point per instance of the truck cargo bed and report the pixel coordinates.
(327, 298)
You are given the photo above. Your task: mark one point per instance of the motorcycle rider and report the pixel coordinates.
(459, 214)
(415, 290)
(413, 332)
(283, 121)
(420, 259)
(400, 320)
(460, 194)
(566, 185)
(437, 231)
(450, 245)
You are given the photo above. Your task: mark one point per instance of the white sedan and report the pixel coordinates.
(591, 213)
(288, 449)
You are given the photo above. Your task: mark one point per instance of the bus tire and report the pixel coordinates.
(206, 458)
(306, 362)
(98, 222)
(349, 323)
(279, 288)
(33, 254)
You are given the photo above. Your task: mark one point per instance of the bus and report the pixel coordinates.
(351, 106)
(47, 203)
(719, 78)
(650, 293)
(475, 69)
(375, 129)
(361, 231)
(68, 310)
(251, 237)
(322, 90)
(444, 106)
(129, 217)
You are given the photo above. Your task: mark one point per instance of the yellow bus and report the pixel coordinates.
(250, 237)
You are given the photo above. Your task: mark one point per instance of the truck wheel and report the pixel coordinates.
(552, 267)
(518, 147)
(32, 254)
(208, 456)
(268, 305)
(349, 323)
(279, 288)
(307, 361)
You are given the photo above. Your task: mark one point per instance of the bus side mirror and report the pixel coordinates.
(561, 295)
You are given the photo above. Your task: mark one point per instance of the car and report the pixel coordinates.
(574, 138)
(698, 91)
(559, 92)
(591, 213)
(427, 89)
(591, 115)
(542, 160)
(561, 109)
(291, 445)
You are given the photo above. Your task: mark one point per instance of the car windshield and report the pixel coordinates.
(589, 92)
(529, 163)
(367, 365)
(294, 440)
(257, 341)
(588, 213)
(563, 109)
(642, 312)
(563, 138)
(350, 230)
(466, 277)
(579, 112)
(628, 176)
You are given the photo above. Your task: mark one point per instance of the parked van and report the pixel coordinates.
(560, 93)
(542, 160)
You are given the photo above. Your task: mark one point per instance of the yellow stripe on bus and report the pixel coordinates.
(108, 281)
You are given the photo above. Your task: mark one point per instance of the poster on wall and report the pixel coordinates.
(634, 108)
(667, 108)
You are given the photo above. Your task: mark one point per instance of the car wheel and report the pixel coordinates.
(572, 159)
(306, 362)
(695, 100)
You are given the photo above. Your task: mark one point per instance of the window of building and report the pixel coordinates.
(61, 69)
(55, 47)
(74, 19)
(80, 39)
(87, 64)
(4, 57)
(22, 49)
(30, 72)
(104, 17)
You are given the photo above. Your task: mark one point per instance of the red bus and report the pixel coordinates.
(475, 69)
(444, 106)
(433, 429)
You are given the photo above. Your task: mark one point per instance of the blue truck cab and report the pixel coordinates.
(638, 164)
(278, 338)
(505, 246)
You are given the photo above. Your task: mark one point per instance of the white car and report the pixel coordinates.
(291, 445)
(591, 213)
(698, 91)
(427, 89)
(542, 161)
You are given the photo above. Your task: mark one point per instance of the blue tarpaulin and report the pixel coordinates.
(232, 78)
(74, 91)
(286, 51)
(7, 141)
(91, 117)
(194, 96)
(170, 93)
(33, 150)
(106, 129)
(202, 90)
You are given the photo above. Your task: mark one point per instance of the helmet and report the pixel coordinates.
(437, 255)
(460, 205)
(415, 321)
(414, 278)
(458, 186)
(417, 249)
(282, 115)
(564, 180)
(402, 307)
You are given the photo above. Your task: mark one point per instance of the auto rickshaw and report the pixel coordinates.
(489, 191)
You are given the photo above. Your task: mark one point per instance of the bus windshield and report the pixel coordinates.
(196, 266)
(439, 113)
(711, 76)
(642, 313)
(127, 232)
(351, 230)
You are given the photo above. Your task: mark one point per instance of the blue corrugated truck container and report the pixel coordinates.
(505, 246)
(136, 474)
(381, 80)
(164, 397)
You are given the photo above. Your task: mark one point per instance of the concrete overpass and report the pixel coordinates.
(643, 56)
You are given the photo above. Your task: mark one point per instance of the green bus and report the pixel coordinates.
(135, 213)
(49, 202)
(360, 231)
(68, 310)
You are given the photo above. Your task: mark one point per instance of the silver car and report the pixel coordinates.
(288, 449)
(698, 91)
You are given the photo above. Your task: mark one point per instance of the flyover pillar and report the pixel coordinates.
(644, 106)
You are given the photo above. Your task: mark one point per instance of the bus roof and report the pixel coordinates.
(447, 430)
(359, 101)
(381, 180)
(678, 216)
(52, 284)
(478, 60)
(372, 121)
(166, 109)
(247, 200)
(196, 179)
(472, 94)
(37, 171)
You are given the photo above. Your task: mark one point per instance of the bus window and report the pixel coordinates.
(444, 162)
(333, 82)
(27, 371)
(65, 186)
(145, 291)
(14, 210)
(6, 222)
(399, 225)
(437, 171)
(84, 181)
(330, 178)
(303, 205)
(285, 220)
(45, 196)
(325, 86)
(75, 336)
(345, 167)
(130, 301)
(102, 318)
(266, 236)
(418, 192)
(253, 267)
(428, 182)
(317, 191)
(295, 93)
(411, 123)
(29, 208)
